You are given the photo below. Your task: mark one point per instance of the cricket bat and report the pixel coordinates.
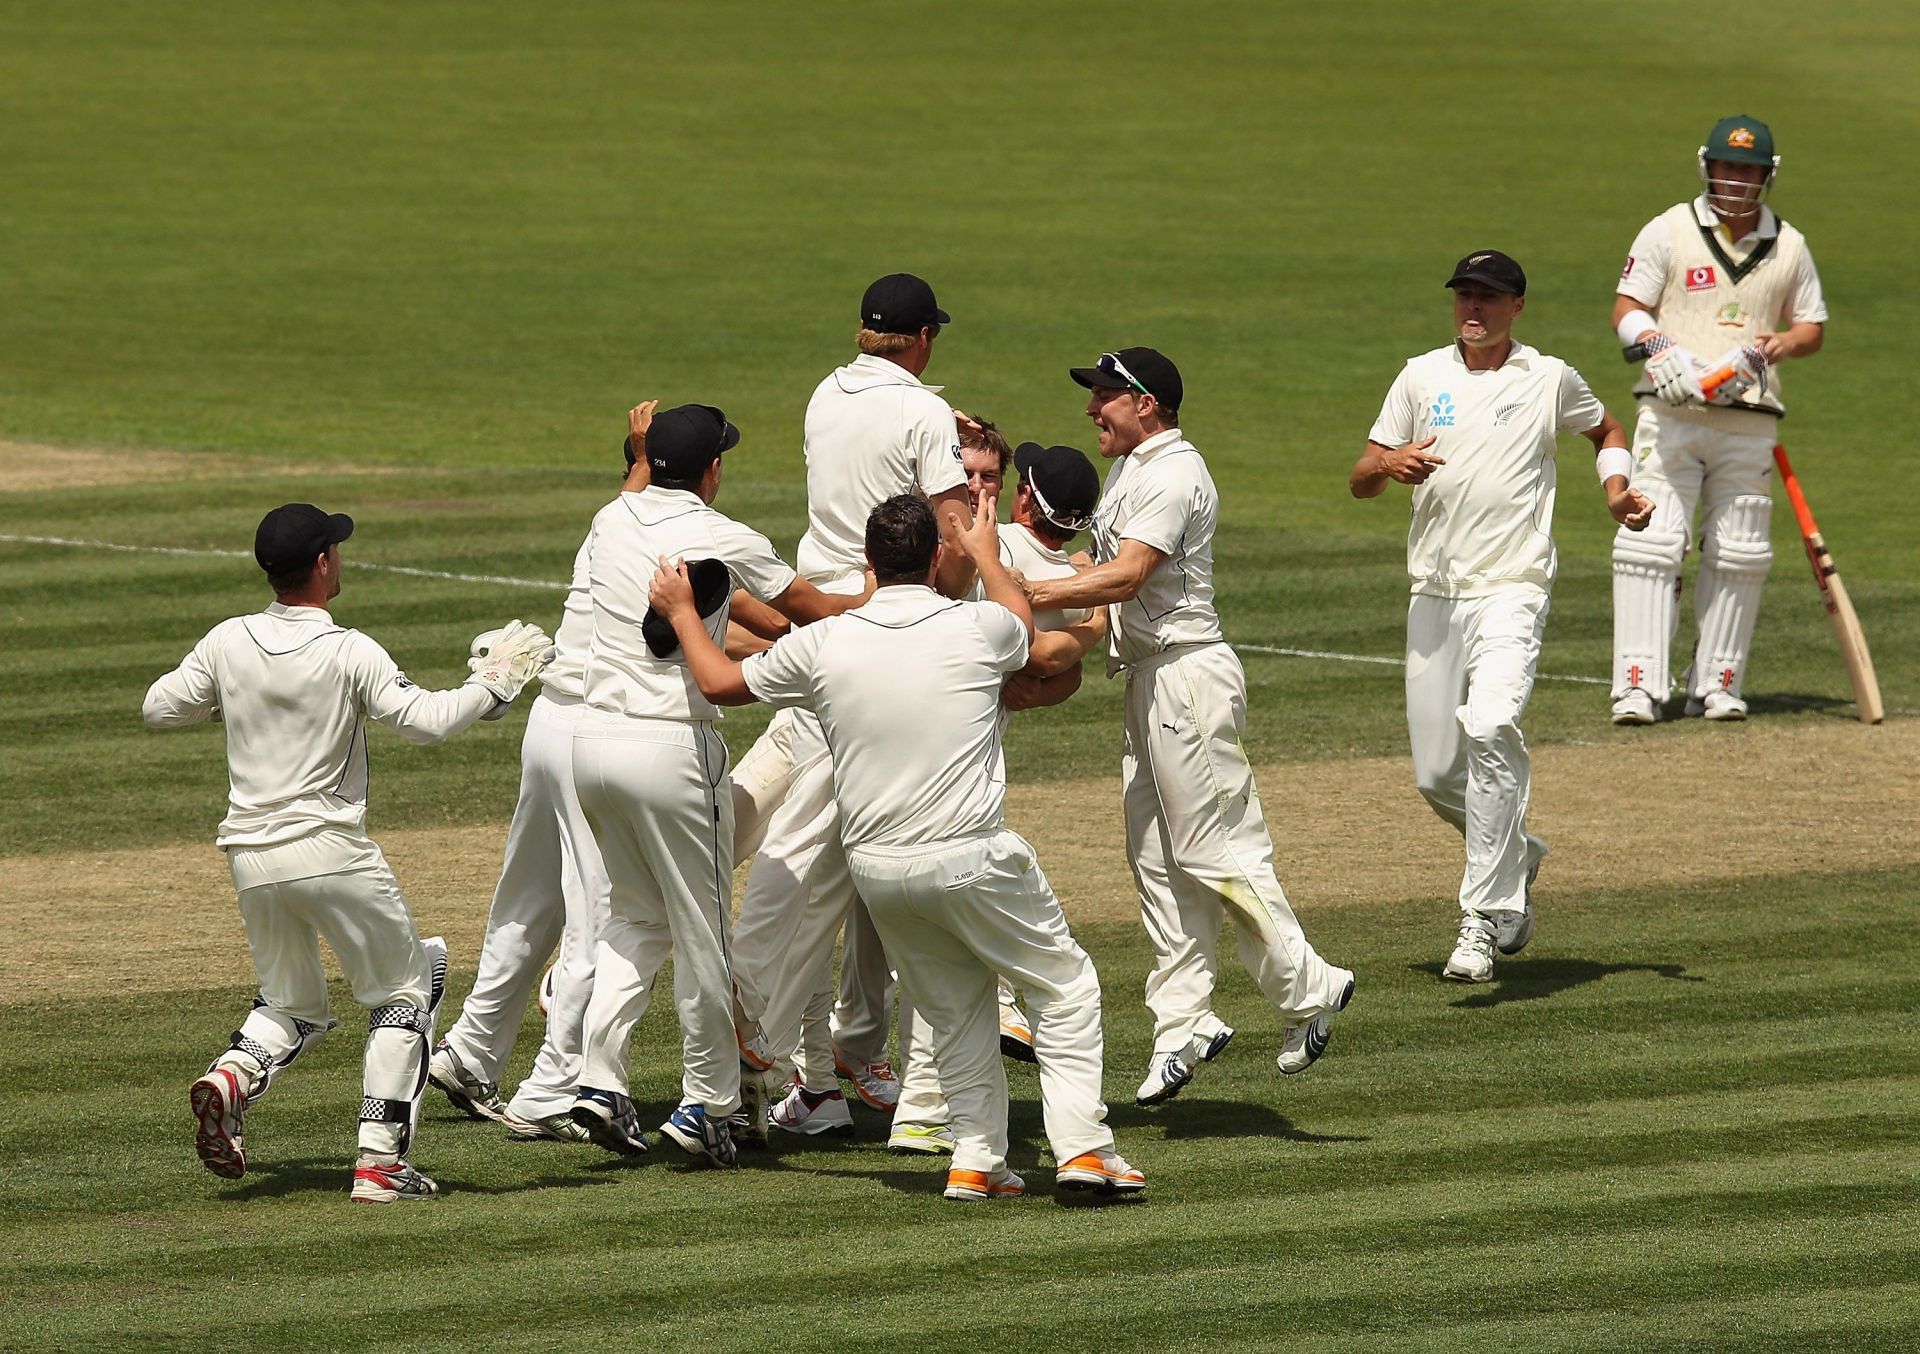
(1833, 592)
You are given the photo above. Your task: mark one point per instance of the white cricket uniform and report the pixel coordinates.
(907, 689)
(872, 430)
(1480, 558)
(1710, 293)
(921, 1103)
(294, 691)
(1199, 846)
(553, 888)
(651, 774)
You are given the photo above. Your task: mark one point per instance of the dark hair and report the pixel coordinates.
(292, 579)
(901, 539)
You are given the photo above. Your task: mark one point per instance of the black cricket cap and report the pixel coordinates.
(1066, 486)
(295, 534)
(712, 585)
(900, 303)
(1491, 268)
(1144, 371)
(684, 440)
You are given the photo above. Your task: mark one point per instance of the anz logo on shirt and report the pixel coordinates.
(1441, 416)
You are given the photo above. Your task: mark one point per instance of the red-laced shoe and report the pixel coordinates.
(219, 1101)
(874, 1083)
(390, 1182)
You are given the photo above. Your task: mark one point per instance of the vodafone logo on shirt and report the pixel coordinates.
(1700, 279)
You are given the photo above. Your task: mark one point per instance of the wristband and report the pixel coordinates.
(1633, 327)
(1613, 461)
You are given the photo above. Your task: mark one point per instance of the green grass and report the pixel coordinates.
(1679, 1121)
(455, 241)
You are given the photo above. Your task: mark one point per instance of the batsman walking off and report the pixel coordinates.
(1719, 270)
(1472, 426)
(1197, 841)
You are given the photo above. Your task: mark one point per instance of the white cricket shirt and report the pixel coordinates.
(873, 430)
(1483, 520)
(1161, 495)
(566, 675)
(629, 536)
(907, 689)
(1021, 550)
(294, 691)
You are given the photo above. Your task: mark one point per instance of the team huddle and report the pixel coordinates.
(897, 652)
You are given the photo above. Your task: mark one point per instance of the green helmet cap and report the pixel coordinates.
(1741, 139)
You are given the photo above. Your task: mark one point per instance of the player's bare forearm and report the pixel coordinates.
(1627, 506)
(1055, 651)
(1118, 580)
(1409, 464)
(720, 679)
(756, 617)
(744, 643)
(951, 511)
(803, 604)
(1369, 477)
(1024, 691)
(1608, 432)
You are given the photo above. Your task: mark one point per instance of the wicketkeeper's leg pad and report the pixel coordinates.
(267, 1041)
(395, 1075)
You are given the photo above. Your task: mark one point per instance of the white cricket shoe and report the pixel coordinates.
(1472, 957)
(219, 1101)
(1167, 1073)
(1513, 928)
(479, 1099)
(544, 1128)
(1016, 1033)
(874, 1083)
(1304, 1044)
(1636, 707)
(1723, 705)
(1216, 1043)
(932, 1140)
(390, 1182)
(812, 1113)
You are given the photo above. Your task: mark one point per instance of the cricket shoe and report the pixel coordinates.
(1472, 957)
(874, 1083)
(1104, 1172)
(976, 1187)
(749, 1122)
(219, 1101)
(755, 1055)
(1636, 707)
(931, 1140)
(1016, 1034)
(478, 1099)
(1304, 1044)
(1723, 705)
(610, 1122)
(701, 1136)
(390, 1182)
(812, 1113)
(1217, 1044)
(1167, 1073)
(1513, 927)
(544, 1127)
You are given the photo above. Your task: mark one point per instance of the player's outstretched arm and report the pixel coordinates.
(718, 677)
(187, 695)
(803, 604)
(1024, 691)
(1118, 580)
(1409, 464)
(503, 663)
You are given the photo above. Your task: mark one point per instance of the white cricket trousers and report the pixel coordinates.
(552, 888)
(798, 897)
(655, 793)
(360, 913)
(1200, 848)
(955, 914)
(1470, 670)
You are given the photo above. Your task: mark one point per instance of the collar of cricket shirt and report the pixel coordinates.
(884, 371)
(318, 615)
(1154, 445)
(1768, 227)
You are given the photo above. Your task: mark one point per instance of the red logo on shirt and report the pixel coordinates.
(1628, 269)
(1700, 279)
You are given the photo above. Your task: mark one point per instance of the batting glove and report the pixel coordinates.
(1749, 367)
(514, 656)
(1675, 376)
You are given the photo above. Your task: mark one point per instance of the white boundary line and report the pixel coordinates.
(509, 581)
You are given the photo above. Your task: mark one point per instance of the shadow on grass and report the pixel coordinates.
(1775, 703)
(277, 1179)
(1187, 1117)
(1532, 980)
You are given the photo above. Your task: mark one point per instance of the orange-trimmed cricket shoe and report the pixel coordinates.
(1106, 1172)
(975, 1187)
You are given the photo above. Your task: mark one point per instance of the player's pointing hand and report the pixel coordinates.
(1411, 464)
(981, 540)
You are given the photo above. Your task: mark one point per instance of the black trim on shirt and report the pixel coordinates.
(1737, 271)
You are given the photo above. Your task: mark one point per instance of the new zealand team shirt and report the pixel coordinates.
(907, 689)
(1161, 495)
(629, 537)
(1482, 521)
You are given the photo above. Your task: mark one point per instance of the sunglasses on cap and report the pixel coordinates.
(1111, 365)
(1066, 521)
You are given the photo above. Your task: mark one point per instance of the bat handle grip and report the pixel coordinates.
(1794, 495)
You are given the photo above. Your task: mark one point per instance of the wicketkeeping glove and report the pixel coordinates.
(1675, 376)
(513, 656)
